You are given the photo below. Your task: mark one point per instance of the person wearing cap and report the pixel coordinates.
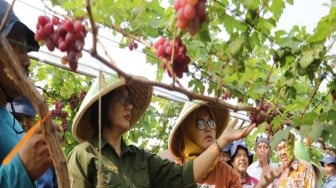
(329, 165)
(33, 159)
(225, 153)
(241, 158)
(263, 153)
(297, 173)
(103, 159)
(196, 129)
(23, 110)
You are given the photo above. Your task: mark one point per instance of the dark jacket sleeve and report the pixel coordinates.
(164, 173)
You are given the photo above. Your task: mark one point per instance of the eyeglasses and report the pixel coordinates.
(125, 100)
(202, 124)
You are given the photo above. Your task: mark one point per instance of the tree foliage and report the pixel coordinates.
(238, 52)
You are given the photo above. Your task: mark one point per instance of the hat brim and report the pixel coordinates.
(175, 140)
(141, 95)
(21, 107)
(13, 23)
(327, 161)
(32, 45)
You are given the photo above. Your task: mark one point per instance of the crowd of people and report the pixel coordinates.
(207, 148)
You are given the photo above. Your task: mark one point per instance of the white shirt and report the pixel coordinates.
(255, 170)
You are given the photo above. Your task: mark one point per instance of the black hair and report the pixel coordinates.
(105, 102)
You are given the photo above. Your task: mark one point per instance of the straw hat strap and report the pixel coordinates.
(129, 80)
(101, 83)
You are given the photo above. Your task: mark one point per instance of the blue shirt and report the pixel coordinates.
(13, 174)
(48, 179)
(330, 182)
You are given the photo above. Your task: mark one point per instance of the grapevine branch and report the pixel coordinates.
(134, 37)
(311, 97)
(190, 95)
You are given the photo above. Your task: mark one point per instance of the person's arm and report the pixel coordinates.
(79, 167)
(206, 159)
(35, 156)
(14, 174)
(166, 174)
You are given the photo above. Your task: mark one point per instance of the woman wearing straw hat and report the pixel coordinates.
(109, 162)
(196, 129)
(199, 129)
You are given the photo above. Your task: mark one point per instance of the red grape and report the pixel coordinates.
(66, 35)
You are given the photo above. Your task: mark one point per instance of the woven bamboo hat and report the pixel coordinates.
(141, 95)
(220, 115)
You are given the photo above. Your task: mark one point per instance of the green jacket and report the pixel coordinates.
(135, 168)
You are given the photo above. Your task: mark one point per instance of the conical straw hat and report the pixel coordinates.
(221, 117)
(141, 95)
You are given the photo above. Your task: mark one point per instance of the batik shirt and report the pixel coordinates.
(300, 174)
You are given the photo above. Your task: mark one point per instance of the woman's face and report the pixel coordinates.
(240, 160)
(206, 130)
(120, 110)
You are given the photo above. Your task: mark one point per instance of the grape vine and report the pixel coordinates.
(132, 45)
(66, 35)
(190, 14)
(166, 48)
(262, 113)
(59, 112)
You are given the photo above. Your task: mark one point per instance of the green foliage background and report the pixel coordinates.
(239, 50)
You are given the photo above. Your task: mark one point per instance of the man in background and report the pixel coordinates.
(329, 165)
(25, 113)
(263, 153)
(33, 158)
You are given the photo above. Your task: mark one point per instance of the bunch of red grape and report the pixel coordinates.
(190, 14)
(258, 116)
(59, 113)
(165, 49)
(66, 35)
(226, 95)
(132, 45)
